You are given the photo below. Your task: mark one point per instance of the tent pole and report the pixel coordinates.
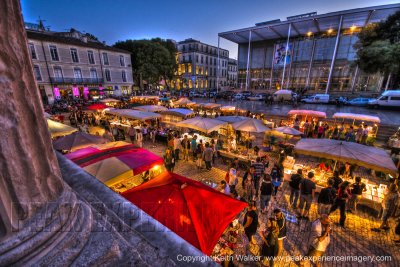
(334, 167)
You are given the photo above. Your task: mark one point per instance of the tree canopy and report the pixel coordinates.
(153, 59)
(379, 48)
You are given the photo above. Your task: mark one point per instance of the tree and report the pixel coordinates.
(378, 48)
(154, 59)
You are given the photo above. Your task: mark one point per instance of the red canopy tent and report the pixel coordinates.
(194, 211)
(97, 106)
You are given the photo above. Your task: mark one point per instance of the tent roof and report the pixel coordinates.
(77, 140)
(183, 112)
(206, 125)
(194, 211)
(184, 101)
(59, 129)
(151, 108)
(228, 108)
(133, 114)
(250, 125)
(354, 116)
(288, 130)
(232, 119)
(137, 159)
(211, 105)
(306, 112)
(362, 155)
(107, 100)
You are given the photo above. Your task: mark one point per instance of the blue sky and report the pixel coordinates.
(113, 20)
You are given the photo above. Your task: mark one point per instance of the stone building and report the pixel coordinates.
(198, 66)
(232, 73)
(73, 64)
(308, 51)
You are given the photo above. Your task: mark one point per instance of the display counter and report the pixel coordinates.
(373, 196)
(199, 137)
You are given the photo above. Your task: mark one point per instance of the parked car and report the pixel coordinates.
(318, 98)
(284, 95)
(359, 101)
(257, 97)
(390, 98)
(238, 96)
(246, 95)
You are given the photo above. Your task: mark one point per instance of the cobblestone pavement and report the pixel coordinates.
(356, 239)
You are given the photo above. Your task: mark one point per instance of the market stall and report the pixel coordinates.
(133, 114)
(149, 99)
(151, 108)
(367, 160)
(119, 167)
(76, 141)
(194, 211)
(58, 129)
(372, 128)
(176, 115)
(201, 124)
(183, 102)
(97, 107)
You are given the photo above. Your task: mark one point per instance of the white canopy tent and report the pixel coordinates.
(206, 125)
(358, 117)
(251, 126)
(151, 108)
(306, 112)
(232, 119)
(133, 114)
(59, 129)
(180, 112)
(109, 100)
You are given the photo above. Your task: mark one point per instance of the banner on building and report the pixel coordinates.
(280, 54)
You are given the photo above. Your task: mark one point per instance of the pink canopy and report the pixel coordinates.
(305, 112)
(81, 152)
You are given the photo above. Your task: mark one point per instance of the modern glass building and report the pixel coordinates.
(308, 51)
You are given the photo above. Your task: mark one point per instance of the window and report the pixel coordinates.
(206, 60)
(184, 58)
(54, 53)
(90, 57)
(122, 60)
(183, 48)
(32, 50)
(77, 73)
(58, 72)
(201, 60)
(395, 98)
(38, 76)
(105, 59)
(124, 76)
(74, 55)
(197, 58)
(108, 75)
(93, 73)
(215, 61)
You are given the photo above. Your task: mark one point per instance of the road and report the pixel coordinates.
(389, 117)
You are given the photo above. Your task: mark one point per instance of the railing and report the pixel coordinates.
(76, 80)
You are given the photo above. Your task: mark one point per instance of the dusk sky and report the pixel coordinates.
(113, 20)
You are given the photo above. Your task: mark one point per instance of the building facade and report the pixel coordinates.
(232, 73)
(308, 52)
(75, 65)
(198, 66)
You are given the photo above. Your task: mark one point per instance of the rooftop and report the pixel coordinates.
(311, 23)
(191, 40)
(72, 38)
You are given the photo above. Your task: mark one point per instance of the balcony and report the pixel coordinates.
(58, 80)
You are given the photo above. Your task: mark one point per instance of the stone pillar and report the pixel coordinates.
(29, 170)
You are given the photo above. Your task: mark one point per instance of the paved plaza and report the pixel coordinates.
(356, 239)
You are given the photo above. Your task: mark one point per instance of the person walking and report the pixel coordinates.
(307, 192)
(269, 237)
(320, 238)
(336, 180)
(294, 184)
(356, 194)
(388, 205)
(169, 160)
(132, 133)
(258, 173)
(139, 138)
(249, 189)
(177, 147)
(343, 195)
(326, 198)
(199, 156)
(193, 145)
(250, 222)
(281, 221)
(208, 156)
(265, 192)
(231, 177)
(185, 147)
(276, 176)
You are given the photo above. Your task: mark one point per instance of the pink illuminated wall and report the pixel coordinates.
(75, 91)
(56, 93)
(86, 93)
